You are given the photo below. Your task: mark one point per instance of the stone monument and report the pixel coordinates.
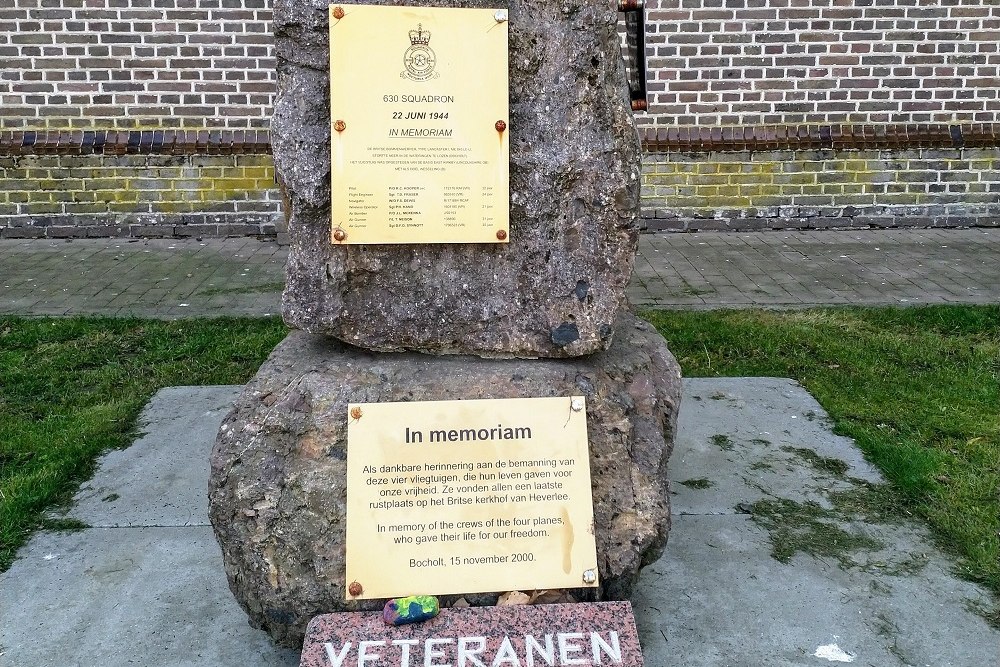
(544, 314)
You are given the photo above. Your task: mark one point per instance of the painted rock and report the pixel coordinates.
(411, 609)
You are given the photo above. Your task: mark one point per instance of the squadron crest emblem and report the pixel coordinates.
(419, 60)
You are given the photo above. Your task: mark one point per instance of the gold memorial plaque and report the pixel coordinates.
(468, 497)
(419, 141)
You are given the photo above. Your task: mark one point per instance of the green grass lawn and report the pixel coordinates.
(918, 388)
(73, 388)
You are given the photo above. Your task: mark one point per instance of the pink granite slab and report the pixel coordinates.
(556, 635)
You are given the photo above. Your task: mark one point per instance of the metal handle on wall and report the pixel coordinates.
(635, 47)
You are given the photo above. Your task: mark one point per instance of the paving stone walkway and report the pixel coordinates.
(800, 269)
(188, 278)
(158, 278)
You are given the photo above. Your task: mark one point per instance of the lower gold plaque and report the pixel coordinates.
(419, 139)
(468, 497)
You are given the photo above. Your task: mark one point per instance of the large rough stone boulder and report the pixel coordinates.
(555, 290)
(278, 494)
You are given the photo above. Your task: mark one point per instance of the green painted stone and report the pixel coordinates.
(411, 609)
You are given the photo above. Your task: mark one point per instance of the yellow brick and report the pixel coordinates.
(753, 168)
(120, 196)
(663, 179)
(85, 207)
(182, 206)
(39, 197)
(62, 195)
(37, 208)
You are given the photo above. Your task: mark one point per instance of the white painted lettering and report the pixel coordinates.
(363, 656)
(506, 655)
(466, 655)
(404, 647)
(598, 647)
(336, 659)
(566, 648)
(531, 647)
(431, 654)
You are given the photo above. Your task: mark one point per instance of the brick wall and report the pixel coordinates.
(60, 196)
(754, 62)
(769, 85)
(820, 189)
(73, 71)
(110, 64)
(822, 113)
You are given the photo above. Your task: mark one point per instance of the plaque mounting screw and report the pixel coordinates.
(355, 589)
(501, 126)
(501, 234)
(576, 404)
(500, 16)
(338, 13)
(339, 235)
(589, 576)
(340, 126)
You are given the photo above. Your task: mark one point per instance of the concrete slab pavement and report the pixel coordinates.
(138, 596)
(144, 584)
(757, 470)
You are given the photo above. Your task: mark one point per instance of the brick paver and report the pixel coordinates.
(800, 269)
(189, 278)
(148, 278)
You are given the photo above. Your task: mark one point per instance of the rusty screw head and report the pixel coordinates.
(338, 13)
(340, 126)
(501, 234)
(356, 411)
(339, 235)
(355, 589)
(501, 126)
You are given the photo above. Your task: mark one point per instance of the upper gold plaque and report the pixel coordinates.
(418, 106)
(469, 497)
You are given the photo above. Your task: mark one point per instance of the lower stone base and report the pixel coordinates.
(277, 491)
